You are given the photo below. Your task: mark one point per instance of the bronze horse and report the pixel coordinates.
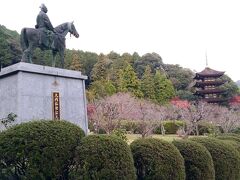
(30, 40)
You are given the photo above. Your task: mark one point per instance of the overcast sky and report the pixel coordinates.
(180, 31)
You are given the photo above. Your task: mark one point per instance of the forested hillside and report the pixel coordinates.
(10, 50)
(144, 76)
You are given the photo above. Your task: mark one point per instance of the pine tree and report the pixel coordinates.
(102, 88)
(163, 88)
(120, 81)
(130, 82)
(99, 70)
(147, 84)
(75, 64)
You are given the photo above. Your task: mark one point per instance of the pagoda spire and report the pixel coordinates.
(206, 59)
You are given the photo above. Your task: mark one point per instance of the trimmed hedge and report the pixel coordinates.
(38, 150)
(171, 127)
(157, 159)
(198, 160)
(225, 157)
(235, 144)
(104, 157)
(207, 128)
(229, 137)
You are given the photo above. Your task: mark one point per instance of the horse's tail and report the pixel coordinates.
(23, 39)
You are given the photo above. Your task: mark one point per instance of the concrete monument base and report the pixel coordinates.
(34, 92)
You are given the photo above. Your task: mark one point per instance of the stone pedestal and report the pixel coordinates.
(29, 91)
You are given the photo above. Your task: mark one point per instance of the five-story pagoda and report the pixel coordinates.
(208, 84)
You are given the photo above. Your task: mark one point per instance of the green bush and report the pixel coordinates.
(207, 128)
(236, 130)
(120, 133)
(130, 126)
(38, 150)
(225, 157)
(170, 127)
(104, 157)
(230, 134)
(157, 159)
(232, 139)
(235, 144)
(197, 159)
(229, 137)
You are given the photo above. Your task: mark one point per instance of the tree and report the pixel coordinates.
(128, 57)
(194, 114)
(151, 59)
(180, 77)
(75, 64)
(99, 70)
(129, 81)
(88, 60)
(163, 88)
(230, 87)
(113, 56)
(107, 113)
(145, 113)
(10, 50)
(227, 118)
(102, 88)
(147, 84)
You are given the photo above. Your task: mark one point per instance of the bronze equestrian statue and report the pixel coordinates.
(45, 37)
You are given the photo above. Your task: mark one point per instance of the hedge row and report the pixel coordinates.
(170, 127)
(59, 150)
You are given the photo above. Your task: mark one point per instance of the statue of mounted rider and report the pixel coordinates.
(45, 37)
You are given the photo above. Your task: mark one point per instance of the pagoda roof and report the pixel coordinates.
(208, 72)
(215, 100)
(209, 91)
(209, 83)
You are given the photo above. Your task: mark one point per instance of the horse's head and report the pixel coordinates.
(73, 30)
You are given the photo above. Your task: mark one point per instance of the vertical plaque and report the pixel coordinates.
(56, 106)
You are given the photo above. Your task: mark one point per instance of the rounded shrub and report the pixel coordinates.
(157, 159)
(38, 150)
(229, 137)
(235, 144)
(225, 157)
(170, 127)
(207, 128)
(104, 157)
(197, 159)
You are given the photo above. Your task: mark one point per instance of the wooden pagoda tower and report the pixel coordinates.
(208, 84)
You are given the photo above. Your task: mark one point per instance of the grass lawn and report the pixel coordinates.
(170, 137)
